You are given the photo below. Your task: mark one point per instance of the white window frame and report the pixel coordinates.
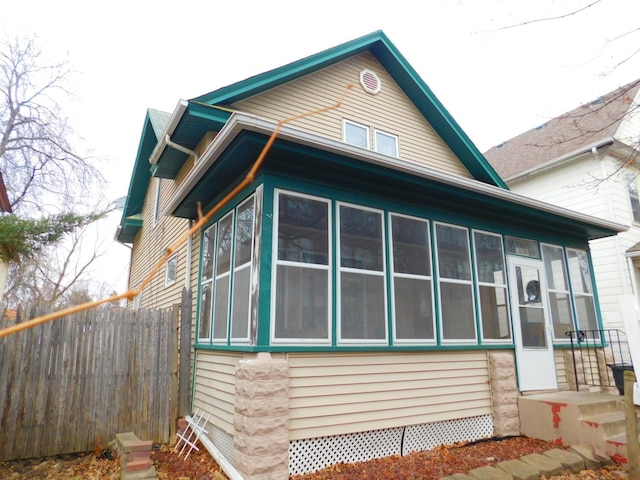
(394, 275)
(503, 285)
(377, 132)
(634, 198)
(580, 294)
(276, 262)
(173, 259)
(346, 122)
(234, 269)
(471, 282)
(208, 282)
(216, 277)
(156, 205)
(340, 269)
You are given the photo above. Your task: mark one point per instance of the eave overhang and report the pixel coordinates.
(403, 74)
(238, 144)
(189, 123)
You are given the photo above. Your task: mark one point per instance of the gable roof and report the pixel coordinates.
(591, 125)
(155, 123)
(187, 133)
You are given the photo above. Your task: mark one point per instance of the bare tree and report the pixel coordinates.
(53, 191)
(42, 172)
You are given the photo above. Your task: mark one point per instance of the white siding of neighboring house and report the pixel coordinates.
(629, 130)
(339, 393)
(574, 186)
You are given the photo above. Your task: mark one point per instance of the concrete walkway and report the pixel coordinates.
(531, 467)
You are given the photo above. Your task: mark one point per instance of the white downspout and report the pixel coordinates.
(187, 275)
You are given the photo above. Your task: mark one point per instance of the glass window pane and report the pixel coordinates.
(244, 233)
(489, 258)
(225, 235)
(205, 312)
(453, 252)
(386, 144)
(240, 306)
(302, 303)
(457, 311)
(362, 307)
(361, 239)
(410, 246)
(303, 230)
(221, 309)
(413, 309)
(579, 272)
(586, 311)
(208, 245)
(495, 313)
(356, 135)
(554, 267)
(532, 326)
(561, 315)
(522, 246)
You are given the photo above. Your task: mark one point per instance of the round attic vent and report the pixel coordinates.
(370, 82)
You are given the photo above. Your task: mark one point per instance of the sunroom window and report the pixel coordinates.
(242, 271)
(412, 281)
(361, 277)
(492, 286)
(582, 285)
(302, 267)
(226, 276)
(558, 288)
(457, 315)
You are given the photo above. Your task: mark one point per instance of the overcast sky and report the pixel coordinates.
(496, 81)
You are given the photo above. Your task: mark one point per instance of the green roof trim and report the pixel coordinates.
(402, 73)
(155, 121)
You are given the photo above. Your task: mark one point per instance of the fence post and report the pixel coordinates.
(175, 370)
(633, 449)
(184, 378)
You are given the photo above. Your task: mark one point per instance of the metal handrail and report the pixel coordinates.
(612, 341)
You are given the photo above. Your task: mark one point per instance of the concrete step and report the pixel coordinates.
(599, 404)
(611, 423)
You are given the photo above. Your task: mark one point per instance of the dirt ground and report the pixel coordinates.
(428, 465)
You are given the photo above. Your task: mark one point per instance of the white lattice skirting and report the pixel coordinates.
(223, 442)
(313, 454)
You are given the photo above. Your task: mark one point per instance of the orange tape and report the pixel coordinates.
(202, 220)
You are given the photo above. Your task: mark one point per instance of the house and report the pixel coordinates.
(587, 160)
(374, 288)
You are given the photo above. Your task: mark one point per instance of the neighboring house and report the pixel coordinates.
(587, 160)
(376, 285)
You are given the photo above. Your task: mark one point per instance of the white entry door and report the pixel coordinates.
(531, 325)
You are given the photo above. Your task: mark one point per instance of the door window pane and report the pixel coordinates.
(530, 307)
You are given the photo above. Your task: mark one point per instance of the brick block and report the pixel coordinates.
(142, 446)
(138, 465)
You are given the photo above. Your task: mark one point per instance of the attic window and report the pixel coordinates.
(370, 82)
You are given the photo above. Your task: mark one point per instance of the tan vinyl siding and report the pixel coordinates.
(333, 394)
(215, 387)
(390, 111)
(150, 245)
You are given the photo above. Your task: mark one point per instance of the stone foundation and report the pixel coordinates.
(504, 393)
(261, 419)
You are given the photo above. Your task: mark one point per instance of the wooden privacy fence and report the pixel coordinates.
(71, 384)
